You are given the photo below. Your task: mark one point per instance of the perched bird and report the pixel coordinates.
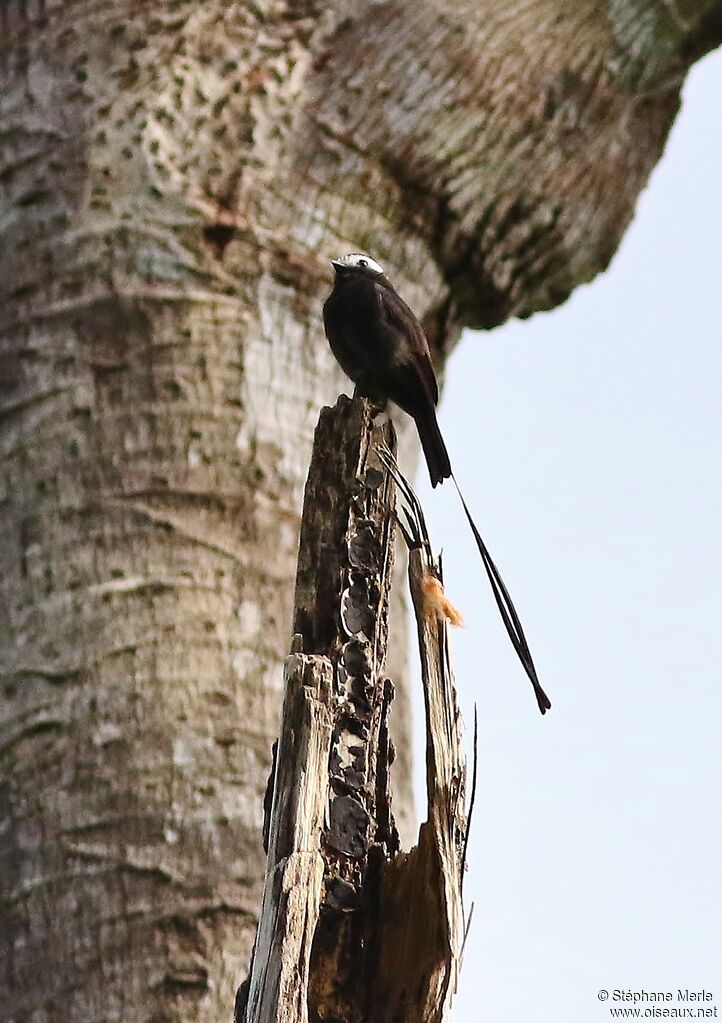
(380, 344)
(382, 347)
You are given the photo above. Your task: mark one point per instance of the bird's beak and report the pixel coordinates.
(338, 265)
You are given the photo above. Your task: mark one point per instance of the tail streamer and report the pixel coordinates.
(507, 610)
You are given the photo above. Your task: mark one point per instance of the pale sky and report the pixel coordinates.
(587, 442)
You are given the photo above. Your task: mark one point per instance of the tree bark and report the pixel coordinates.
(173, 178)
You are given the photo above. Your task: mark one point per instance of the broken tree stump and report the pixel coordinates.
(351, 928)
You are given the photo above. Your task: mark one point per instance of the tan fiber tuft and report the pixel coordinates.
(437, 603)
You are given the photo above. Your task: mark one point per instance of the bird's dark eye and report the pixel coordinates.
(363, 262)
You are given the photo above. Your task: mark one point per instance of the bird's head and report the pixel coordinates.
(357, 263)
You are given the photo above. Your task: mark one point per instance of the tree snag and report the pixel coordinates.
(352, 928)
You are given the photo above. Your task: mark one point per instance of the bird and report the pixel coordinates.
(380, 344)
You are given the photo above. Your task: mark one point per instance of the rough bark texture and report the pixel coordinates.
(351, 929)
(172, 179)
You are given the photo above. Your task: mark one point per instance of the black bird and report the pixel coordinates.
(380, 344)
(382, 347)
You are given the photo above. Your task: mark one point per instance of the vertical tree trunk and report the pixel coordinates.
(172, 179)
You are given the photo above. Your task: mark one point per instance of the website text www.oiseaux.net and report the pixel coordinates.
(679, 1004)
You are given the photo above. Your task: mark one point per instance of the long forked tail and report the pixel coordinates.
(437, 457)
(501, 594)
(507, 611)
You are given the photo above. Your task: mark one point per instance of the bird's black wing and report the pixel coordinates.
(402, 321)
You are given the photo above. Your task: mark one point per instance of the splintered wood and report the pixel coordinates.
(352, 928)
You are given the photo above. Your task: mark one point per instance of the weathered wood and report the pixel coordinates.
(293, 885)
(352, 929)
(422, 902)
